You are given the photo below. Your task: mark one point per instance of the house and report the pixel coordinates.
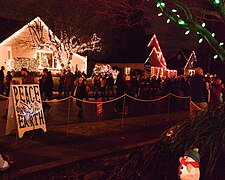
(183, 61)
(32, 46)
(156, 61)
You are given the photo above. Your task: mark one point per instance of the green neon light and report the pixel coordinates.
(217, 1)
(163, 5)
(181, 22)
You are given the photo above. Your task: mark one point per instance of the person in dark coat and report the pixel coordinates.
(2, 77)
(80, 93)
(8, 81)
(69, 83)
(199, 92)
(27, 78)
(46, 85)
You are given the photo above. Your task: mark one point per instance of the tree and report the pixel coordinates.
(194, 16)
(41, 37)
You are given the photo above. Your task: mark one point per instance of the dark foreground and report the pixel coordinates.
(86, 150)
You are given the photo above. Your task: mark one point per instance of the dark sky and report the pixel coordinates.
(128, 44)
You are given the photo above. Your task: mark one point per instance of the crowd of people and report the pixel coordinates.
(103, 85)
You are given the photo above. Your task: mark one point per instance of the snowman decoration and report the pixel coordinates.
(189, 165)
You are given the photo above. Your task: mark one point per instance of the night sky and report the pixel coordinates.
(127, 44)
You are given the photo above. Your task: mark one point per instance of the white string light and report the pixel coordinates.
(168, 21)
(187, 32)
(215, 56)
(200, 40)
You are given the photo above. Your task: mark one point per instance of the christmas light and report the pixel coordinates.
(203, 24)
(181, 22)
(174, 10)
(168, 21)
(217, 1)
(158, 4)
(200, 40)
(160, 14)
(178, 15)
(187, 32)
(163, 5)
(198, 33)
(221, 44)
(215, 57)
(213, 34)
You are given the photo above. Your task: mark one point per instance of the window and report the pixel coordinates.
(46, 59)
(127, 70)
(9, 54)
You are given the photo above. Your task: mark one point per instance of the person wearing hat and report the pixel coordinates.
(189, 165)
(2, 77)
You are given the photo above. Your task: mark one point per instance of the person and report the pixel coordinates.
(7, 103)
(27, 78)
(120, 90)
(102, 86)
(80, 94)
(61, 86)
(2, 77)
(109, 86)
(46, 85)
(199, 92)
(69, 83)
(97, 84)
(215, 91)
(8, 80)
(145, 86)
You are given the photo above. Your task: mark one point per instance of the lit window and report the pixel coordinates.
(127, 70)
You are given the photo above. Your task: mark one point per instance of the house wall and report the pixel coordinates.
(80, 61)
(4, 50)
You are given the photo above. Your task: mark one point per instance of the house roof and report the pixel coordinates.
(191, 60)
(22, 29)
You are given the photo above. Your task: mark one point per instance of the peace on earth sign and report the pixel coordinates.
(28, 108)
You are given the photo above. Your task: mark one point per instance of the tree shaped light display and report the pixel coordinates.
(156, 51)
(188, 19)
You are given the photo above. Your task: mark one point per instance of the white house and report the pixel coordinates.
(35, 52)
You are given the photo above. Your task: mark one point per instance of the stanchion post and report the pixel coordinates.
(68, 115)
(123, 113)
(168, 109)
